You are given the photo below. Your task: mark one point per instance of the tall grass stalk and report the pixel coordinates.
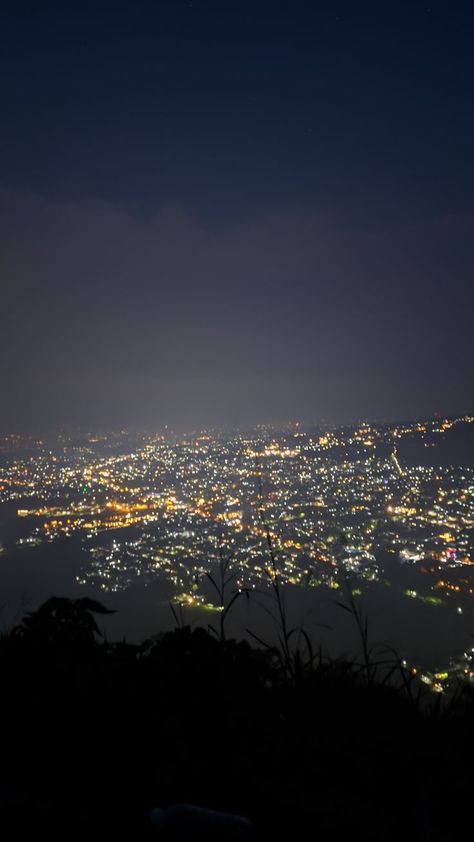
(223, 586)
(293, 660)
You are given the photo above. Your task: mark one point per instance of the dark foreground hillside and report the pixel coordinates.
(96, 734)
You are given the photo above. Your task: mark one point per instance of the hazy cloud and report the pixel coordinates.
(113, 318)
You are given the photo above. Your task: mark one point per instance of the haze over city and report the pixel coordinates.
(229, 214)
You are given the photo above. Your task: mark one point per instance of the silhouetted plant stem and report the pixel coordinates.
(221, 585)
(273, 574)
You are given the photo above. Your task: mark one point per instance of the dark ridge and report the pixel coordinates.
(97, 734)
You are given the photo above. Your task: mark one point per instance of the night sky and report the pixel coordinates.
(235, 212)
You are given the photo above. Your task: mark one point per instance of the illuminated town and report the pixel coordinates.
(335, 504)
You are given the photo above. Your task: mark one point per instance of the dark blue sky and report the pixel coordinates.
(217, 212)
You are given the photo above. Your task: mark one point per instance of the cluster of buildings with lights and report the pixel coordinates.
(335, 503)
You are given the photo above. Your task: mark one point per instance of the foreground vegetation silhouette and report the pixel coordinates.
(95, 734)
